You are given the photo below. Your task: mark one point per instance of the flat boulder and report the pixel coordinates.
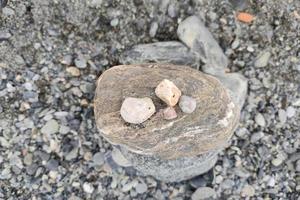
(207, 128)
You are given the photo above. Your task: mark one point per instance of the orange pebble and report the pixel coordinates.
(245, 17)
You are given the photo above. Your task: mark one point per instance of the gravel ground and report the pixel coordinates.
(51, 53)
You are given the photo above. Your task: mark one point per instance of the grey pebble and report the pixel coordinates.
(66, 60)
(203, 193)
(118, 157)
(256, 136)
(5, 174)
(227, 184)
(141, 188)
(172, 10)
(4, 35)
(290, 112)
(87, 87)
(28, 159)
(31, 169)
(153, 29)
(88, 188)
(260, 120)
(187, 104)
(114, 22)
(98, 159)
(50, 127)
(298, 166)
(282, 116)
(80, 62)
(262, 59)
(52, 164)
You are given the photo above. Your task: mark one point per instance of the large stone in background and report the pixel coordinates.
(193, 33)
(161, 52)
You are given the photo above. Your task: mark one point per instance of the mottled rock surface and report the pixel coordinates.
(208, 128)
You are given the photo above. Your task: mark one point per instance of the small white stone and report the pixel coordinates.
(137, 110)
(88, 188)
(290, 112)
(260, 120)
(277, 161)
(169, 113)
(168, 92)
(118, 157)
(187, 104)
(282, 116)
(114, 22)
(73, 71)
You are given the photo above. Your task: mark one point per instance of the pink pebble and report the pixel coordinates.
(169, 113)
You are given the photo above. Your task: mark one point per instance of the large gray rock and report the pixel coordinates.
(193, 33)
(175, 170)
(237, 85)
(161, 52)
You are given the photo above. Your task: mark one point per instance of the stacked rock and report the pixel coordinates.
(195, 127)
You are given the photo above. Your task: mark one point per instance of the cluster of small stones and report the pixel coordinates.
(138, 110)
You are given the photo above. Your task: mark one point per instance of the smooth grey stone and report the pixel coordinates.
(260, 120)
(4, 35)
(193, 33)
(141, 188)
(50, 127)
(161, 52)
(175, 170)
(256, 136)
(52, 165)
(153, 29)
(262, 59)
(80, 62)
(237, 85)
(98, 159)
(203, 193)
(203, 180)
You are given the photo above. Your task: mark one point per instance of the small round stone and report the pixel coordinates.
(141, 188)
(169, 113)
(187, 104)
(98, 159)
(118, 157)
(88, 188)
(168, 92)
(137, 110)
(260, 120)
(248, 191)
(50, 127)
(290, 112)
(73, 71)
(203, 193)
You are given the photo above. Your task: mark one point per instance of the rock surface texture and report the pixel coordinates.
(208, 128)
